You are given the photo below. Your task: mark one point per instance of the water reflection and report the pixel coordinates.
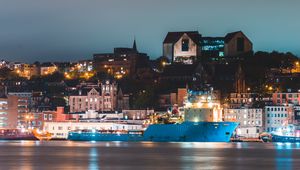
(147, 155)
(93, 159)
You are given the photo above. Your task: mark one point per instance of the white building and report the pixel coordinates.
(278, 117)
(61, 129)
(250, 121)
(103, 98)
(182, 47)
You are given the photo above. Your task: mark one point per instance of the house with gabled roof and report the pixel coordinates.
(182, 47)
(237, 43)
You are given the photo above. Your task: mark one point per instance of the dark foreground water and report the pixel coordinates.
(27, 155)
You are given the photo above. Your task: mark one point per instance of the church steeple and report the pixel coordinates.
(134, 45)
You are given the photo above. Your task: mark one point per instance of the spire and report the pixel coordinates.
(134, 45)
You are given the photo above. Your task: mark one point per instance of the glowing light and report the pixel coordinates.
(210, 104)
(188, 104)
(199, 104)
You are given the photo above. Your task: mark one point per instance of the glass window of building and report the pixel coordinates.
(185, 45)
(240, 44)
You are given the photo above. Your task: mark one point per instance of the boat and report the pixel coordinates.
(285, 139)
(200, 121)
(41, 135)
(16, 134)
(289, 134)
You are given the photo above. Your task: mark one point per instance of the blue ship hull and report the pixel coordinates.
(185, 132)
(288, 139)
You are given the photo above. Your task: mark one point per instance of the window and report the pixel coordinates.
(240, 44)
(45, 116)
(185, 45)
(50, 116)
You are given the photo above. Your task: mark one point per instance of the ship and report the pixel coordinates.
(200, 121)
(16, 134)
(289, 134)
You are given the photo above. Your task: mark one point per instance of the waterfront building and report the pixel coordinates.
(278, 117)
(280, 98)
(102, 97)
(61, 129)
(20, 103)
(182, 47)
(250, 121)
(237, 100)
(8, 111)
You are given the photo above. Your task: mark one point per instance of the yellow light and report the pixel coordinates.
(199, 104)
(248, 89)
(163, 63)
(297, 63)
(270, 88)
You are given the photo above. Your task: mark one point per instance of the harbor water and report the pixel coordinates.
(27, 155)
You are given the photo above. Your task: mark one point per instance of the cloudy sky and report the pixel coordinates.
(65, 30)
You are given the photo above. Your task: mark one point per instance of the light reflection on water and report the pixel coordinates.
(147, 155)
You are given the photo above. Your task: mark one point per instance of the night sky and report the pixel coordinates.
(66, 30)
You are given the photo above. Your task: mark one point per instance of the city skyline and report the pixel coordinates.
(52, 31)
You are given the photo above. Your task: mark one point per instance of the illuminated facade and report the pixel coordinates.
(187, 47)
(123, 62)
(250, 121)
(182, 47)
(97, 98)
(277, 118)
(212, 47)
(13, 110)
(47, 69)
(286, 98)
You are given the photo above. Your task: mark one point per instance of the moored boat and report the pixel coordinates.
(16, 134)
(285, 139)
(41, 135)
